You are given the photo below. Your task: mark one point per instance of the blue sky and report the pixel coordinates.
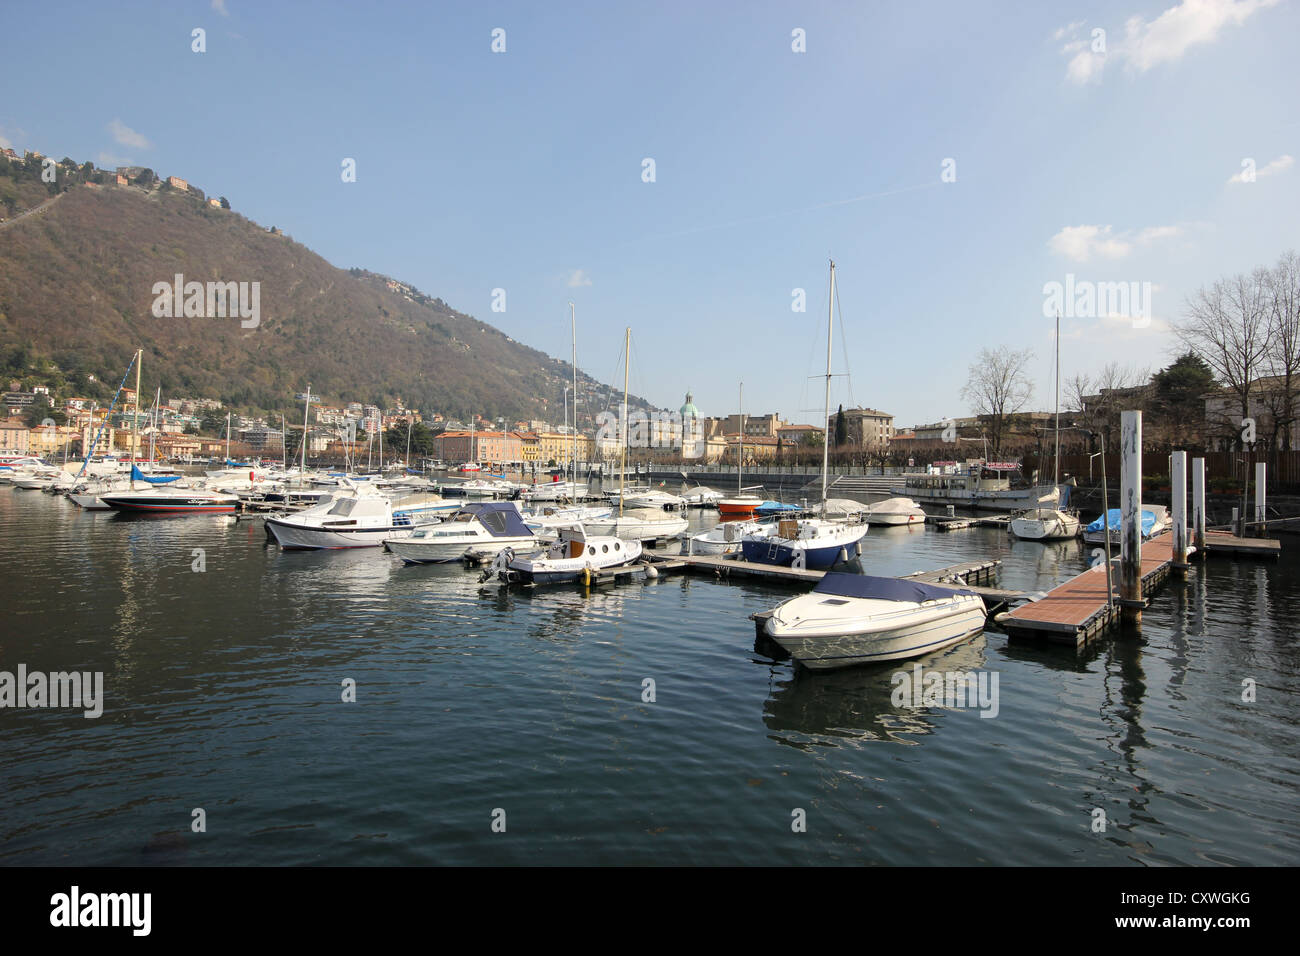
(522, 170)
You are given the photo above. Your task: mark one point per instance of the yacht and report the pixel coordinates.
(484, 528)
(860, 619)
(574, 555)
(350, 519)
(894, 511)
(640, 524)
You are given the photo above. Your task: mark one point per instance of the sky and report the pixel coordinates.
(954, 159)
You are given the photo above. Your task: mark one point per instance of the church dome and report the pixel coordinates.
(689, 410)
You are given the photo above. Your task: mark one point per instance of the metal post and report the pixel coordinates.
(1130, 481)
(1261, 526)
(1178, 475)
(1198, 507)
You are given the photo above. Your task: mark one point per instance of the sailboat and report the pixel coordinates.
(1049, 524)
(740, 505)
(635, 523)
(815, 543)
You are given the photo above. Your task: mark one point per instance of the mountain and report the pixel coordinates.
(77, 298)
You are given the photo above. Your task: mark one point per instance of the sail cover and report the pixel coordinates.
(138, 475)
(1113, 519)
(883, 589)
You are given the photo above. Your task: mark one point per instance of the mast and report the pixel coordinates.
(627, 358)
(410, 423)
(228, 439)
(306, 407)
(826, 449)
(740, 455)
(157, 410)
(135, 419)
(1056, 469)
(381, 441)
(284, 448)
(573, 444)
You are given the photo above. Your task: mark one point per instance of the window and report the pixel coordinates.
(604, 549)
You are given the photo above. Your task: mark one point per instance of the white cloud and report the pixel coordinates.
(126, 136)
(578, 278)
(220, 7)
(109, 161)
(1282, 163)
(1066, 30)
(1148, 44)
(1083, 243)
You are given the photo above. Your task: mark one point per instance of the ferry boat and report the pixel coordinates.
(984, 485)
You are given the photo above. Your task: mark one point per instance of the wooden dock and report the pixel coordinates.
(1076, 611)
(944, 523)
(1222, 542)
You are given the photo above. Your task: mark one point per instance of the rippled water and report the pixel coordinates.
(223, 692)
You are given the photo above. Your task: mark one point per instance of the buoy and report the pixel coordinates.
(651, 571)
(844, 555)
(857, 548)
(586, 576)
(252, 476)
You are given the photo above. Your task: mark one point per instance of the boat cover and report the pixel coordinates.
(883, 589)
(1148, 522)
(774, 507)
(501, 518)
(138, 475)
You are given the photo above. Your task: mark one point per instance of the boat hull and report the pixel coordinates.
(445, 552)
(1054, 527)
(293, 537)
(846, 647)
(171, 504)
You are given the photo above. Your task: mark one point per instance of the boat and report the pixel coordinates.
(702, 497)
(978, 484)
(853, 619)
(353, 518)
(1050, 524)
(547, 522)
(739, 505)
(572, 556)
(894, 512)
(556, 491)
(171, 500)
(653, 498)
(1155, 519)
(726, 536)
(769, 508)
(640, 524)
(485, 528)
(816, 543)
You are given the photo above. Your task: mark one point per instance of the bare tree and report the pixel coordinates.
(1283, 357)
(998, 387)
(1228, 326)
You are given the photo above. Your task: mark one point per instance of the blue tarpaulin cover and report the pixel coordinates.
(1148, 522)
(883, 589)
(138, 475)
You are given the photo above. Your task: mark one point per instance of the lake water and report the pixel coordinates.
(223, 692)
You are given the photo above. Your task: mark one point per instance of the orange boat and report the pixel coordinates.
(741, 506)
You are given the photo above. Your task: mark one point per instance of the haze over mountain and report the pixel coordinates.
(76, 287)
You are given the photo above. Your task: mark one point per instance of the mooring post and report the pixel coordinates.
(1178, 476)
(1198, 507)
(1261, 470)
(1130, 542)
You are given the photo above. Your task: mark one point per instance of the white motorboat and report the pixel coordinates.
(860, 619)
(484, 528)
(548, 522)
(650, 499)
(574, 555)
(701, 497)
(556, 491)
(726, 536)
(640, 524)
(352, 518)
(894, 511)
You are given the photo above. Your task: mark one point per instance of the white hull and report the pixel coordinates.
(873, 631)
(1045, 526)
(637, 529)
(297, 538)
(433, 551)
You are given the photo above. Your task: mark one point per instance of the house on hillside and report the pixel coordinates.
(175, 182)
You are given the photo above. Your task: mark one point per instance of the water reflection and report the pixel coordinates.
(834, 708)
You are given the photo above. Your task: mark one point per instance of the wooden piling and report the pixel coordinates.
(1261, 522)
